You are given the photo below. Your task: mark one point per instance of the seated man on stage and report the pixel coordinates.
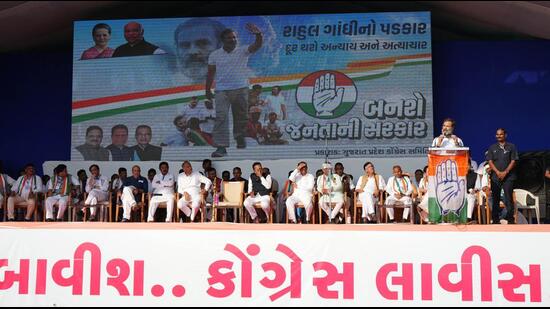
(369, 186)
(332, 190)
(399, 189)
(303, 184)
(259, 187)
(423, 191)
(447, 139)
(97, 187)
(5, 185)
(132, 188)
(471, 193)
(163, 192)
(60, 187)
(189, 186)
(27, 188)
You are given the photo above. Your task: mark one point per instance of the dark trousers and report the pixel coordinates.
(237, 100)
(508, 186)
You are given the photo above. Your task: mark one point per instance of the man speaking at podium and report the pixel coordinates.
(447, 139)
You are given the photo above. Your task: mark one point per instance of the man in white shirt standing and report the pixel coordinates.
(189, 186)
(447, 139)
(60, 187)
(27, 187)
(399, 189)
(259, 187)
(303, 184)
(163, 192)
(229, 66)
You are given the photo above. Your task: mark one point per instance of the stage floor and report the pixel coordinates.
(397, 227)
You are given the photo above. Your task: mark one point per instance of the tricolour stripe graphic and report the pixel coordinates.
(96, 108)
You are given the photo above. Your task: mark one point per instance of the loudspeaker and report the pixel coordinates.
(530, 171)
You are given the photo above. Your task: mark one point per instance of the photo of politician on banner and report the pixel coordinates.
(447, 170)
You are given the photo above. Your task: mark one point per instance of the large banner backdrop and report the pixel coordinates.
(352, 85)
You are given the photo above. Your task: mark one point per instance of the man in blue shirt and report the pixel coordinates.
(132, 190)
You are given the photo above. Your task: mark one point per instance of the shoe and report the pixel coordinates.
(49, 220)
(28, 220)
(503, 221)
(365, 220)
(220, 152)
(308, 221)
(125, 220)
(241, 143)
(11, 219)
(391, 221)
(92, 218)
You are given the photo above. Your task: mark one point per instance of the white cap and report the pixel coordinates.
(326, 165)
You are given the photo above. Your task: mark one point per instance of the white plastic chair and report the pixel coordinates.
(521, 203)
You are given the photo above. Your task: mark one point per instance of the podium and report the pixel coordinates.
(447, 170)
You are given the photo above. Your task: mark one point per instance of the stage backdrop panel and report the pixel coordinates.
(357, 85)
(272, 265)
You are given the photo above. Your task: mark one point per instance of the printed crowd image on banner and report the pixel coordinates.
(282, 87)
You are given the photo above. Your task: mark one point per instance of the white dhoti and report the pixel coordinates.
(167, 198)
(369, 201)
(424, 203)
(325, 203)
(56, 199)
(392, 200)
(128, 201)
(195, 205)
(296, 198)
(94, 197)
(265, 202)
(19, 201)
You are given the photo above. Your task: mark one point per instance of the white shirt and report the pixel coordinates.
(232, 70)
(273, 104)
(5, 181)
(59, 183)
(448, 142)
(370, 186)
(24, 187)
(189, 112)
(399, 185)
(305, 183)
(266, 182)
(117, 184)
(192, 183)
(334, 186)
(99, 184)
(163, 184)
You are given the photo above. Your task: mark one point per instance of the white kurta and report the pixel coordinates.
(98, 191)
(265, 200)
(191, 184)
(163, 192)
(333, 184)
(302, 194)
(57, 198)
(399, 185)
(367, 197)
